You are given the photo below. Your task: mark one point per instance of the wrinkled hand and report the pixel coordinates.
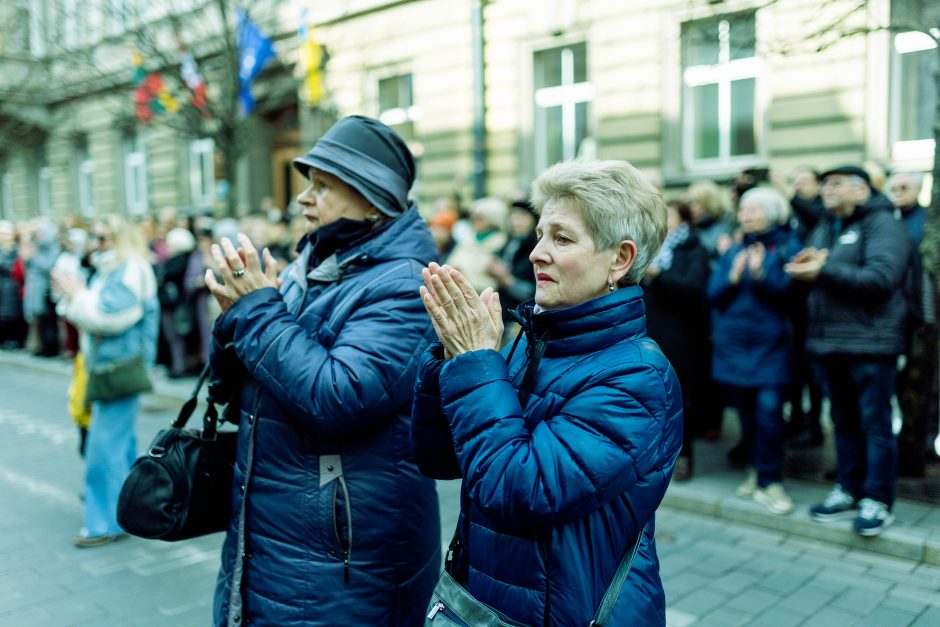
(737, 267)
(68, 284)
(230, 261)
(463, 320)
(807, 264)
(724, 243)
(756, 253)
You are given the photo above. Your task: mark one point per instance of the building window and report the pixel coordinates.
(562, 103)
(396, 105)
(37, 25)
(6, 195)
(202, 172)
(913, 95)
(84, 174)
(19, 28)
(44, 189)
(720, 71)
(135, 175)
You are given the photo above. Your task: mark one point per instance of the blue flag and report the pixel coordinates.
(254, 51)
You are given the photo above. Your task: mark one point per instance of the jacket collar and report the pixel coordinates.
(588, 326)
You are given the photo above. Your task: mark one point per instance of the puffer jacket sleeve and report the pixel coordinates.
(886, 255)
(360, 380)
(115, 303)
(594, 449)
(430, 431)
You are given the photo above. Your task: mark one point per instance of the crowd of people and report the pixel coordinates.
(564, 352)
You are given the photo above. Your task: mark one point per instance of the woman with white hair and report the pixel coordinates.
(566, 441)
(752, 298)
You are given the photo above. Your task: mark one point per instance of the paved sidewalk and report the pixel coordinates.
(915, 535)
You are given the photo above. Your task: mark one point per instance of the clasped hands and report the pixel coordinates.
(752, 258)
(463, 320)
(807, 264)
(240, 270)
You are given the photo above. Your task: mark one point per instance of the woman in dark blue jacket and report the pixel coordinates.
(332, 521)
(567, 441)
(753, 300)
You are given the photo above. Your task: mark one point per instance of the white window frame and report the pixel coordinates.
(396, 115)
(567, 95)
(44, 190)
(913, 149)
(6, 194)
(38, 21)
(722, 74)
(135, 176)
(202, 172)
(86, 189)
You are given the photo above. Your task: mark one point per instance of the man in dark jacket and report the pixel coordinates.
(856, 263)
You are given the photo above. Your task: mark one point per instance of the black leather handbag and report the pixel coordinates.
(182, 487)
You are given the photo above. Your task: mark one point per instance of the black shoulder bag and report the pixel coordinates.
(182, 487)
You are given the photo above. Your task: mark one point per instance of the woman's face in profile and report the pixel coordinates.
(568, 270)
(327, 199)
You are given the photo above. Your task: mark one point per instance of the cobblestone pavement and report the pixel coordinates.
(716, 572)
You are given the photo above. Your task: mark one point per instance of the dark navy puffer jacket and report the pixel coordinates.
(559, 488)
(333, 524)
(751, 329)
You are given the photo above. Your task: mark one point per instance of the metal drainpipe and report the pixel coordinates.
(479, 100)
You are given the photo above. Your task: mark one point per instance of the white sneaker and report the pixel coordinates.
(775, 499)
(749, 487)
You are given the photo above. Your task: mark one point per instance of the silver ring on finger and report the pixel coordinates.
(238, 273)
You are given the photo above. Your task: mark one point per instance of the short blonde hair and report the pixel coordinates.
(708, 194)
(616, 202)
(129, 242)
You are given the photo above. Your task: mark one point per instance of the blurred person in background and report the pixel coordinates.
(677, 318)
(806, 202)
(195, 290)
(40, 254)
(917, 377)
(177, 314)
(855, 266)
(69, 262)
(118, 316)
(510, 268)
(751, 296)
(332, 521)
(12, 324)
(442, 225)
(472, 255)
(710, 215)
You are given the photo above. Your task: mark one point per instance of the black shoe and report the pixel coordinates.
(807, 438)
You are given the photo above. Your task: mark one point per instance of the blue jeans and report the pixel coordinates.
(110, 450)
(761, 412)
(860, 390)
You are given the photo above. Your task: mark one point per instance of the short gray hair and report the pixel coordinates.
(616, 202)
(916, 177)
(775, 206)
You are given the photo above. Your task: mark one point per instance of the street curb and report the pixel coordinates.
(917, 544)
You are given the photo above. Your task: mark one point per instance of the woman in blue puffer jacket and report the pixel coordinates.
(332, 521)
(566, 442)
(753, 301)
(117, 315)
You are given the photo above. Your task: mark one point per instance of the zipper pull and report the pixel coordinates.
(434, 610)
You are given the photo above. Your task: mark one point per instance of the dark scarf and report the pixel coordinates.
(333, 237)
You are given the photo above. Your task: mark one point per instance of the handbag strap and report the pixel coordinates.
(190, 406)
(613, 590)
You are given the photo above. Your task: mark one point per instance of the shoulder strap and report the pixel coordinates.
(613, 590)
(211, 418)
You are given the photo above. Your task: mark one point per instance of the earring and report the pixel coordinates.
(610, 284)
(373, 218)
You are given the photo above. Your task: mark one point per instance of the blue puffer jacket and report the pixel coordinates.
(751, 328)
(332, 523)
(559, 487)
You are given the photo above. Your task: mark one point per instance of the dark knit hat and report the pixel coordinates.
(369, 156)
(848, 170)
